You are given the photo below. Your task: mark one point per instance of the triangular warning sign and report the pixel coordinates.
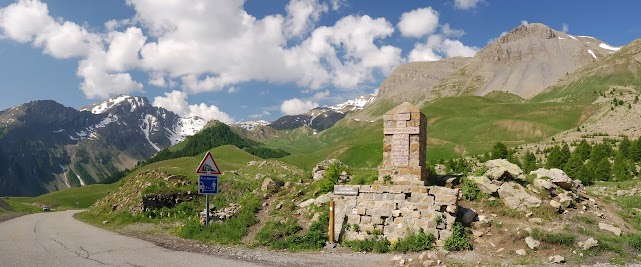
(208, 165)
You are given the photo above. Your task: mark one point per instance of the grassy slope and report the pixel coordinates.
(455, 124)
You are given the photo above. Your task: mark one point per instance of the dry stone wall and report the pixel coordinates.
(364, 211)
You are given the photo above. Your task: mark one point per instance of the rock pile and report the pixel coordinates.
(502, 179)
(221, 215)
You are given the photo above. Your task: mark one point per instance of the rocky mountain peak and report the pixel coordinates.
(537, 30)
(131, 102)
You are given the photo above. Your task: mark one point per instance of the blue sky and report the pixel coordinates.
(237, 60)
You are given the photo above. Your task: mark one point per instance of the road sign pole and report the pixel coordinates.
(206, 209)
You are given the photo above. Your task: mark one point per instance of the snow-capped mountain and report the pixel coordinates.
(321, 118)
(60, 147)
(250, 125)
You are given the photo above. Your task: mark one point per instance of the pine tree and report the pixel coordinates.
(620, 168)
(602, 170)
(529, 162)
(556, 158)
(583, 150)
(573, 166)
(624, 147)
(585, 175)
(635, 150)
(499, 151)
(600, 151)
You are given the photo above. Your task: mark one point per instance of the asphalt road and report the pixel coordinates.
(57, 239)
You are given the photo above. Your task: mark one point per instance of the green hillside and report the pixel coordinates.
(456, 125)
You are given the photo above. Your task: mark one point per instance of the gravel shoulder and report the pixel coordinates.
(329, 257)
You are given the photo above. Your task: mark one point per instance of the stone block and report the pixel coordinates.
(451, 209)
(399, 196)
(414, 214)
(361, 211)
(444, 234)
(376, 220)
(366, 219)
(445, 199)
(433, 231)
(353, 219)
(449, 219)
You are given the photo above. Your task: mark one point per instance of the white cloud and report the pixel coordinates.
(437, 47)
(524, 22)
(302, 16)
(418, 23)
(233, 90)
(296, 106)
(451, 32)
(264, 113)
(176, 102)
(175, 44)
(466, 4)
(565, 27)
(337, 4)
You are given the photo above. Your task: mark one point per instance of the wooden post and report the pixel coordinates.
(331, 221)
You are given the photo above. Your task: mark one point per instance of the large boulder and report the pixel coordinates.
(269, 185)
(485, 184)
(319, 170)
(557, 177)
(515, 197)
(498, 169)
(543, 184)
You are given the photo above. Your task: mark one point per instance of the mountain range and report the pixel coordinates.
(45, 146)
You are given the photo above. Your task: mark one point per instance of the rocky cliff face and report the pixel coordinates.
(45, 146)
(524, 62)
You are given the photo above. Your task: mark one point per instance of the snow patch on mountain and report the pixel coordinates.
(592, 53)
(107, 104)
(354, 104)
(148, 125)
(250, 125)
(90, 132)
(611, 48)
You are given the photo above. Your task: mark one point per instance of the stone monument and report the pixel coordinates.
(393, 208)
(404, 146)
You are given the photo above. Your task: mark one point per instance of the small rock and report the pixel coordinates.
(555, 204)
(469, 216)
(529, 214)
(588, 244)
(615, 230)
(429, 263)
(532, 243)
(565, 201)
(499, 250)
(521, 252)
(280, 205)
(478, 233)
(556, 259)
(269, 185)
(535, 220)
(105, 222)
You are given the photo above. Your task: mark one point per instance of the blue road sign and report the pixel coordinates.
(208, 184)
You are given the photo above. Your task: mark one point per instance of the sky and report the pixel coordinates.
(236, 60)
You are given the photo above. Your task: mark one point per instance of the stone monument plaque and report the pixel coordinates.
(404, 145)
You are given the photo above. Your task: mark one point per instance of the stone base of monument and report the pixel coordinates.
(394, 211)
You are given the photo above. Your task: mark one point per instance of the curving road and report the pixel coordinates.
(57, 239)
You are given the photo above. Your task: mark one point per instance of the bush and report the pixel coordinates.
(458, 241)
(330, 177)
(276, 230)
(379, 245)
(315, 238)
(415, 242)
(470, 190)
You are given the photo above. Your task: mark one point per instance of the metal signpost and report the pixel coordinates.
(208, 180)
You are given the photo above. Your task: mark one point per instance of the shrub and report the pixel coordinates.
(315, 238)
(276, 230)
(470, 190)
(480, 171)
(330, 177)
(458, 241)
(415, 242)
(634, 241)
(378, 245)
